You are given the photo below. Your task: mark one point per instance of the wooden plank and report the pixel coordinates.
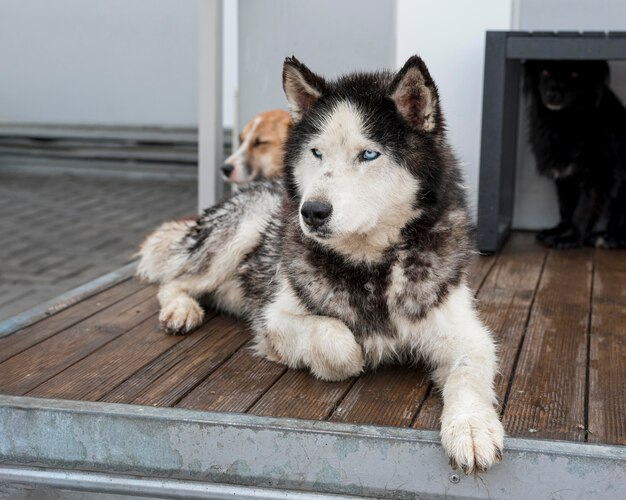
(430, 412)
(298, 394)
(504, 303)
(25, 371)
(547, 398)
(50, 307)
(96, 374)
(104, 369)
(46, 328)
(390, 396)
(236, 386)
(479, 270)
(167, 379)
(607, 353)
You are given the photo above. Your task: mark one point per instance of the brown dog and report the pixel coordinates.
(260, 152)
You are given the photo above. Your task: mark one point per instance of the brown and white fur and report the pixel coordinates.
(358, 258)
(260, 152)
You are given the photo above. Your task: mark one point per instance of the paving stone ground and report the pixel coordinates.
(59, 231)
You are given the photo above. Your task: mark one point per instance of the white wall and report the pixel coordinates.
(337, 37)
(568, 15)
(450, 36)
(230, 77)
(535, 196)
(331, 37)
(129, 62)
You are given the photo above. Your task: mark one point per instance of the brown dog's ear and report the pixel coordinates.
(302, 87)
(415, 95)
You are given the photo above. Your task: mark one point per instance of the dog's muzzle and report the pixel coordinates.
(315, 213)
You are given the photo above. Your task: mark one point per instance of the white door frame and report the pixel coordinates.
(210, 127)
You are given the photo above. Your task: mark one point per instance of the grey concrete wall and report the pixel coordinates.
(535, 199)
(113, 62)
(331, 37)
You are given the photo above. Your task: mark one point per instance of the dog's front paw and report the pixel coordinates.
(181, 316)
(265, 346)
(335, 353)
(548, 233)
(605, 240)
(561, 229)
(562, 236)
(564, 242)
(473, 441)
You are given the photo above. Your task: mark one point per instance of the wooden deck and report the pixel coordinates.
(559, 317)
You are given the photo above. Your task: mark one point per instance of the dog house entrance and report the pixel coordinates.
(504, 53)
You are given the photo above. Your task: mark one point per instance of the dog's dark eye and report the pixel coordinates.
(574, 74)
(368, 155)
(317, 153)
(259, 142)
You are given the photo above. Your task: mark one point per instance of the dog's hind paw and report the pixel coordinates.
(473, 441)
(181, 316)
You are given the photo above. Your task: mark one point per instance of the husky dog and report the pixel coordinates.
(359, 258)
(578, 136)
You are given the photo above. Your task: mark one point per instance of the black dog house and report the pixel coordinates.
(504, 53)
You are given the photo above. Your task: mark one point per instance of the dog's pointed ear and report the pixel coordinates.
(415, 95)
(302, 87)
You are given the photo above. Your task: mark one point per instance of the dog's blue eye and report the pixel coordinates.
(368, 155)
(317, 153)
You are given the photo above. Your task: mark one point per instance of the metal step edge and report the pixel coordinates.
(298, 455)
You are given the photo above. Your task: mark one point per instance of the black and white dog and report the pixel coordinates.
(578, 136)
(359, 258)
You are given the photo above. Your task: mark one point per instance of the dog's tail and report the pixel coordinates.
(161, 255)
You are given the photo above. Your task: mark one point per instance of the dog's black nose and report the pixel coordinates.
(315, 213)
(227, 170)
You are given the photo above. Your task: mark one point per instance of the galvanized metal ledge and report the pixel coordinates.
(251, 452)
(41, 479)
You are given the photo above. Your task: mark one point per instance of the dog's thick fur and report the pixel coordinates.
(578, 136)
(379, 276)
(260, 152)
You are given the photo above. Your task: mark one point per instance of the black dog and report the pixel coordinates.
(578, 137)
